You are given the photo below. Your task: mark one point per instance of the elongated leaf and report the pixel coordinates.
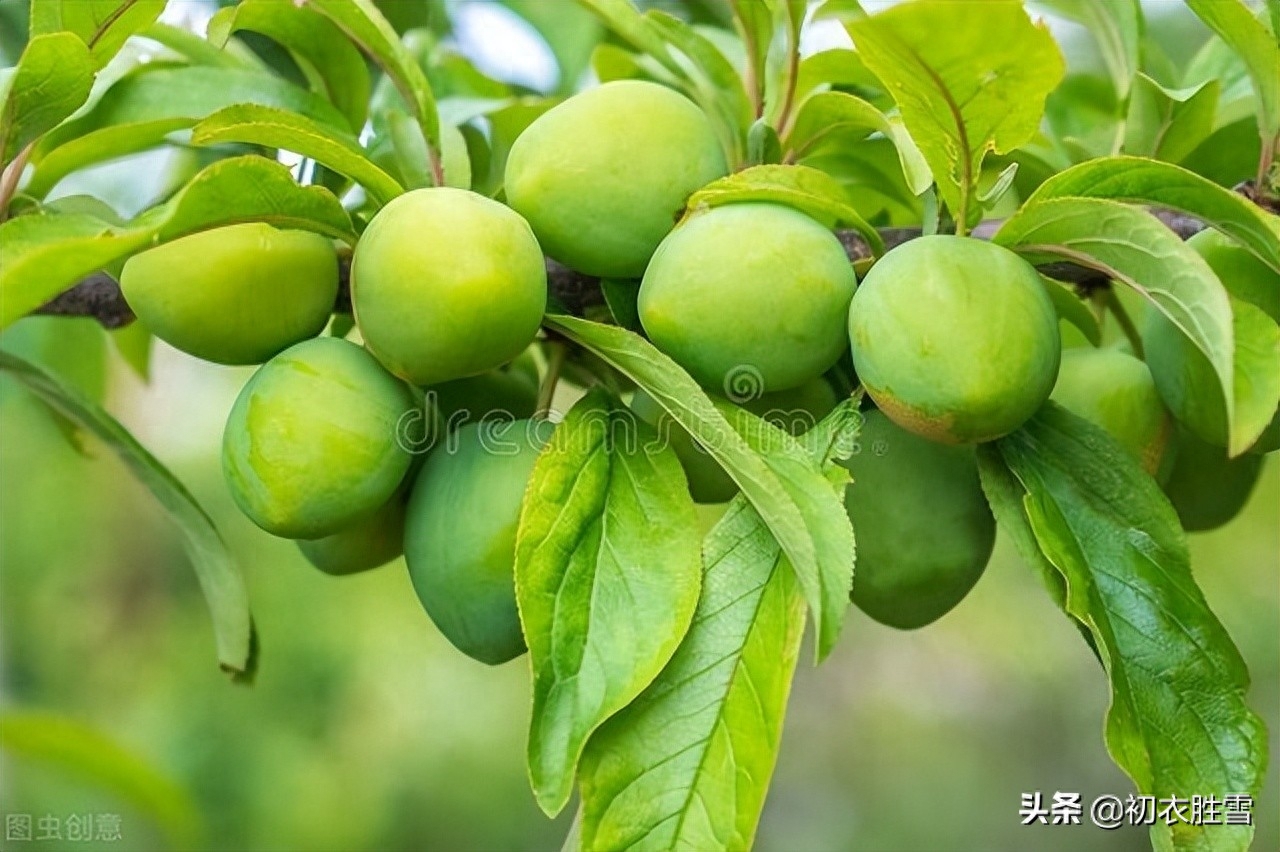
(1132, 246)
(43, 254)
(607, 578)
(1166, 185)
(99, 146)
(89, 756)
(965, 83)
(365, 25)
(687, 764)
(276, 128)
(331, 63)
(1116, 25)
(633, 28)
(104, 25)
(215, 567)
(833, 117)
(1168, 124)
(52, 79)
(1069, 307)
(761, 482)
(571, 32)
(1250, 38)
(1178, 719)
(802, 187)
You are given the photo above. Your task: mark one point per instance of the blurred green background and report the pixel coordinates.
(366, 730)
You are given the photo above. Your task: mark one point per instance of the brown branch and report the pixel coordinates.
(99, 295)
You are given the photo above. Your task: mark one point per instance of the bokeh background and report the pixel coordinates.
(365, 730)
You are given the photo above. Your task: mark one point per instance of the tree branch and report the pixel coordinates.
(99, 295)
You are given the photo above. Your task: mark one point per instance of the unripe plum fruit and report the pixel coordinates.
(924, 529)
(367, 543)
(1115, 391)
(447, 284)
(1184, 376)
(955, 338)
(603, 176)
(796, 411)
(312, 443)
(750, 298)
(1205, 487)
(234, 295)
(460, 536)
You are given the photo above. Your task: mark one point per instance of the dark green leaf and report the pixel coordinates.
(1132, 246)
(966, 83)
(277, 128)
(1069, 307)
(620, 297)
(607, 579)
(215, 567)
(804, 188)
(52, 79)
(1178, 719)
(104, 25)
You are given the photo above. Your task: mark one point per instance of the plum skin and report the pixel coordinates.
(311, 444)
(368, 543)
(753, 291)
(447, 284)
(1115, 391)
(925, 532)
(460, 536)
(603, 176)
(955, 338)
(234, 295)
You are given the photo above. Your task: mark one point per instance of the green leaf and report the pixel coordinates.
(216, 569)
(326, 57)
(754, 24)
(1250, 38)
(277, 128)
(806, 189)
(53, 78)
(571, 32)
(607, 579)
(104, 25)
(1168, 124)
(1132, 246)
(1165, 185)
(687, 764)
(43, 254)
(87, 755)
(133, 343)
(1116, 26)
(620, 297)
(965, 83)
(140, 110)
(1178, 719)
(365, 25)
(761, 480)
(636, 30)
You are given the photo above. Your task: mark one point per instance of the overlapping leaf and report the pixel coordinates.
(52, 79)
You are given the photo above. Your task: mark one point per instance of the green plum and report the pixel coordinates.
(507, 394)
(312, 443)
(447, 284)
(1185, 378)
(750, 298)
(1205, 487)
(955, 338)
(795, 410)
(234, 295)
(1115, 391)
(460, 535)
(369, 542)
(603, 176)
(924, 530)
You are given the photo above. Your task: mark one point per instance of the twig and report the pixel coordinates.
(557, 351)
(99, 295)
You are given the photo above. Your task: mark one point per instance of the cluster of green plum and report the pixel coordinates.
(955, 340)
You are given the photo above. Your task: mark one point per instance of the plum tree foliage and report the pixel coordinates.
(515, 334)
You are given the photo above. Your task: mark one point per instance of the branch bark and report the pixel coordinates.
(99, 295)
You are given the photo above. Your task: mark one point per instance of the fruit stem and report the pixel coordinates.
(557, 351)
(1116, 307)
